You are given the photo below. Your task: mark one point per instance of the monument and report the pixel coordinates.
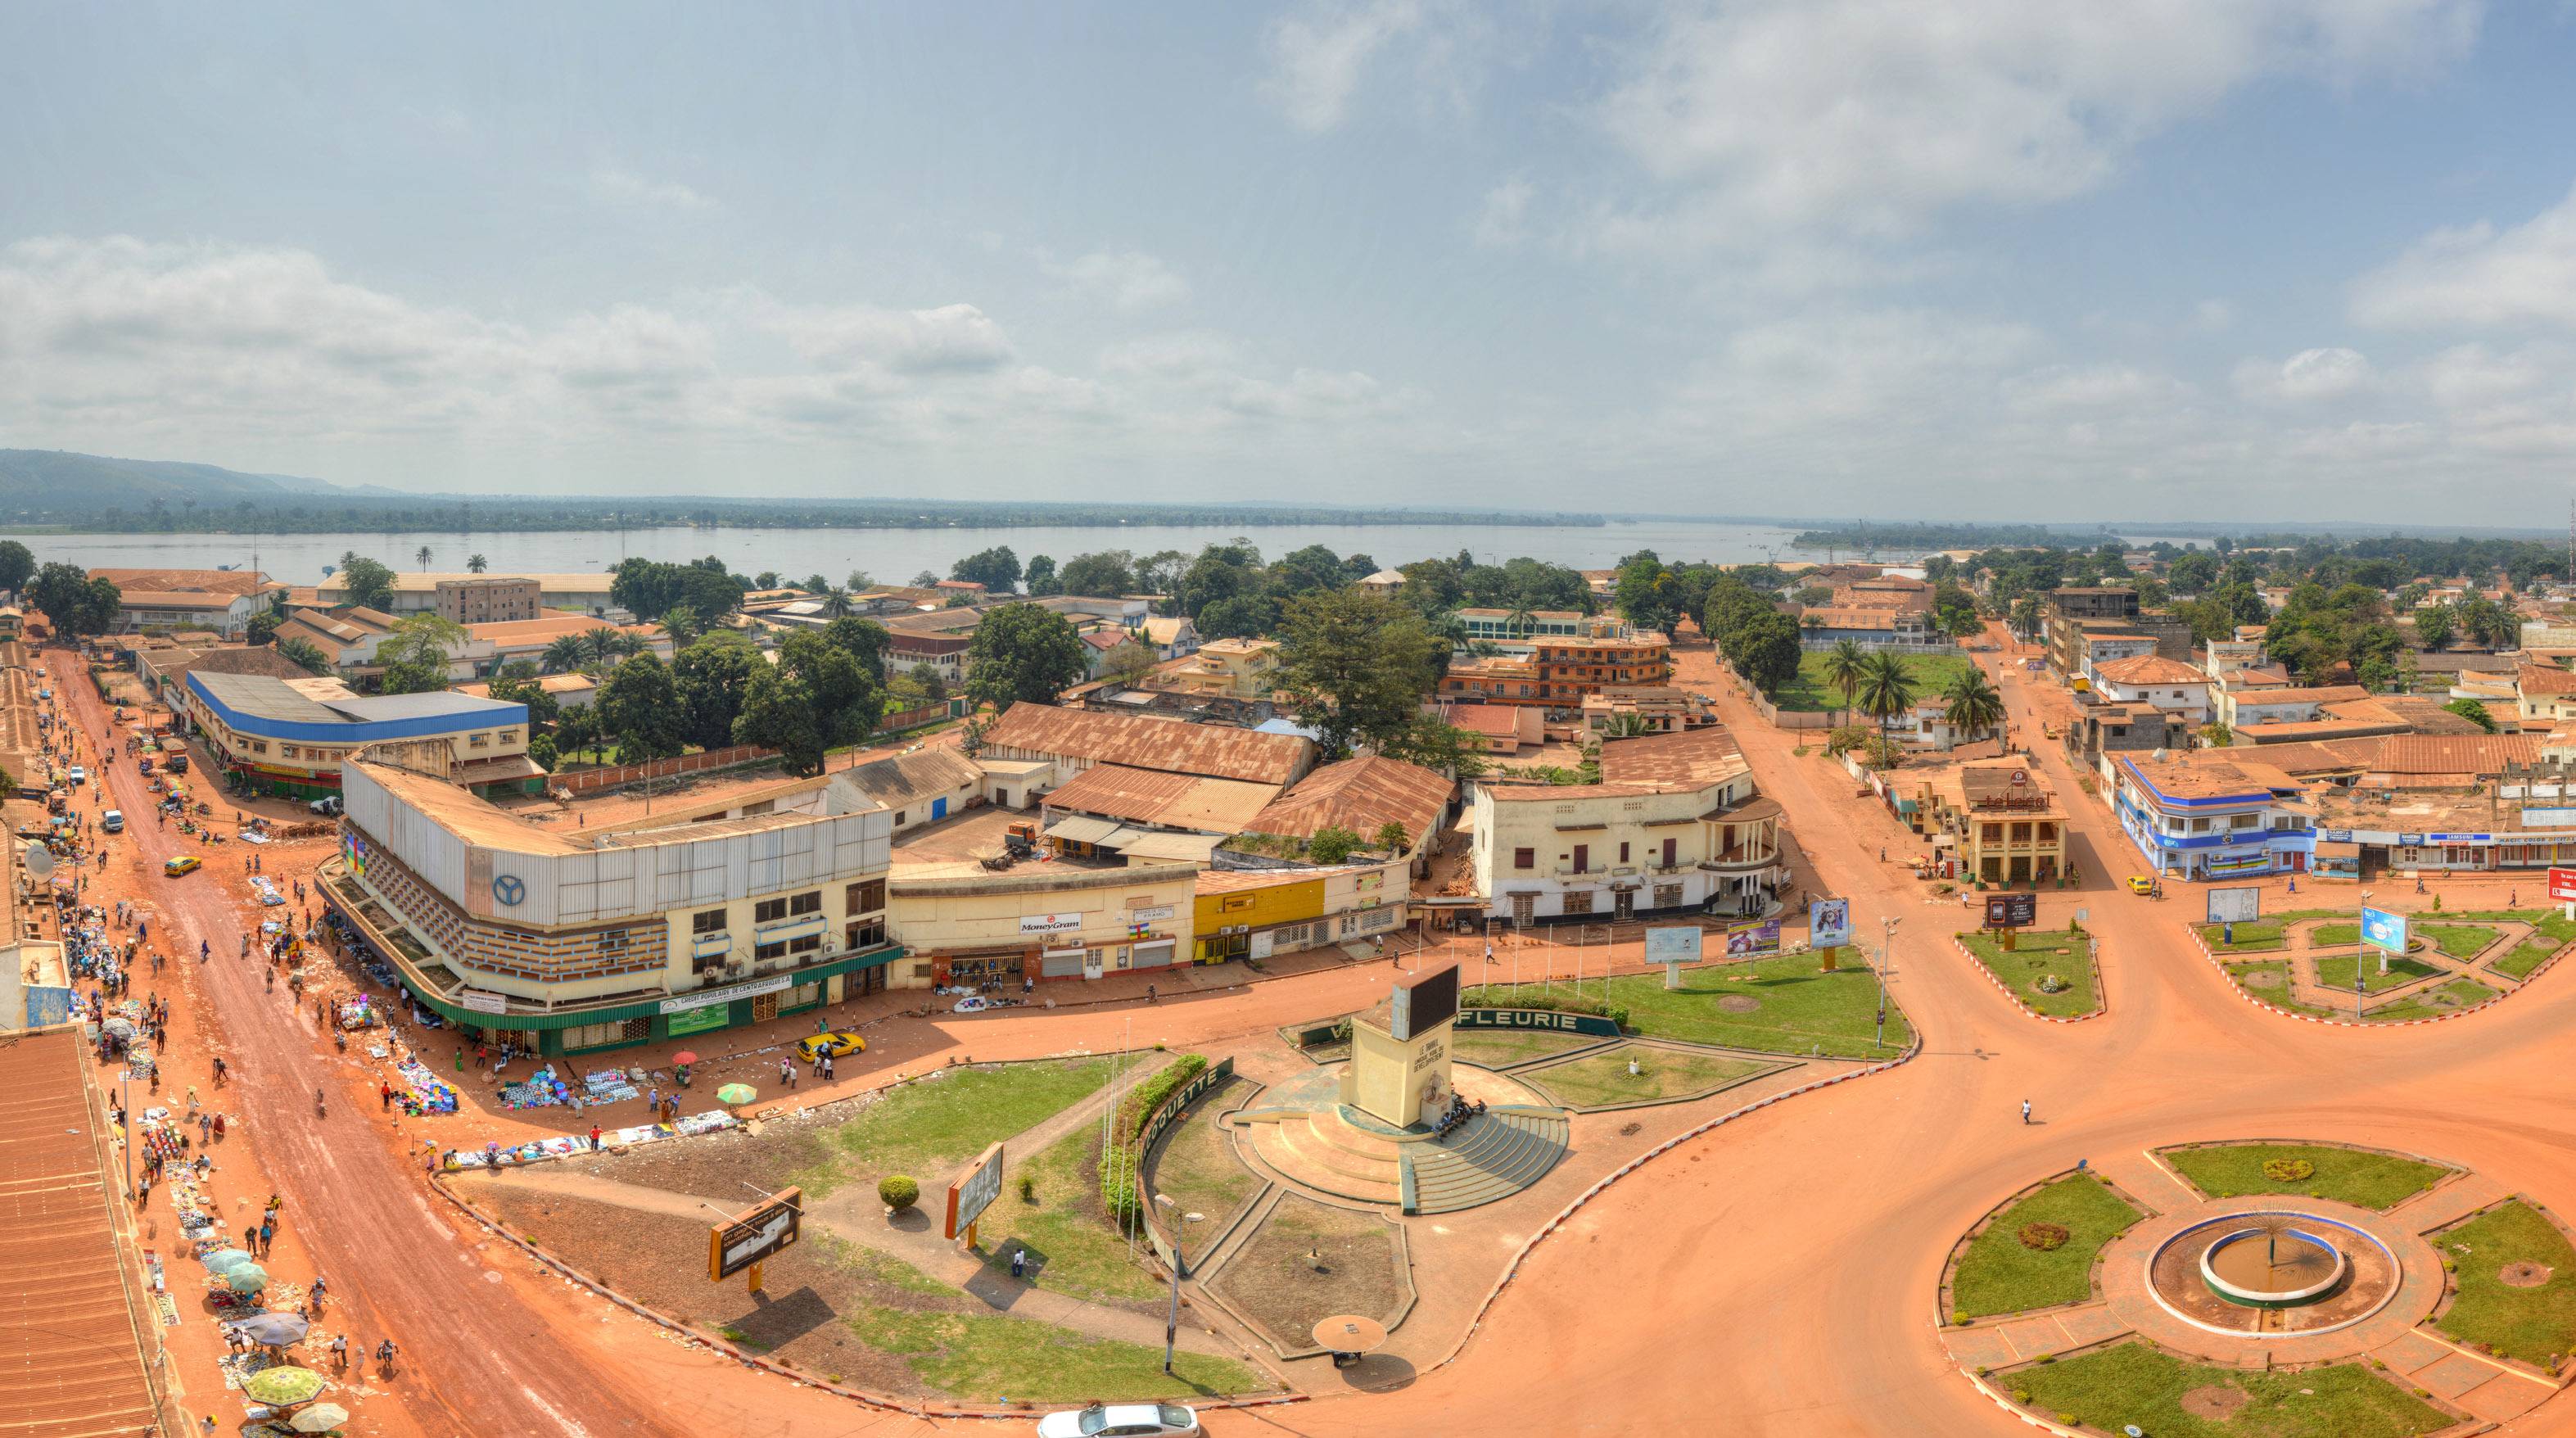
(1399, 1071)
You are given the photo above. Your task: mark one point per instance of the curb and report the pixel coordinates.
(2101, 1001)
(1512, 1270)
(918, 1410)
(2230, 979)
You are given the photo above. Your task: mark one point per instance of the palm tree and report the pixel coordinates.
(566, 654)
(477, 563)
(1886, 688)
(422, 554)
(1975, 706)
(1845, 665)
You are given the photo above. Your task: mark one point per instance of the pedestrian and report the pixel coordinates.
(1019, 1263)
(2025, 1110)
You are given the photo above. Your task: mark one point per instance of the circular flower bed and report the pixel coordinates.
(2287, 1170)
(2043, 1236)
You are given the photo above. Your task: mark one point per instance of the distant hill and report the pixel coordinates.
(41, 481)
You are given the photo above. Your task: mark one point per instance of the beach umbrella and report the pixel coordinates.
(246, 1277)
(273, 1330)
(283, 1385)
(319, 1418)
(224, 1258)
(736, 1093)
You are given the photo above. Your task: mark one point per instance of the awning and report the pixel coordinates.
(1078, 829)
(1174, 848)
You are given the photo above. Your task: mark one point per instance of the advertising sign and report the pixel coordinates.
(974, 1191)
(2562, 885)
(1761, 938)
(1424, 1003)
(755, 1236)
(2383, 930)
(2235, 906)
(1681, 944)
(1828, 923)
(1050, 923)
(2011, 911)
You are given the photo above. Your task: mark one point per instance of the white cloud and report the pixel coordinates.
(1318, 59)
(2476, 277)
(1127, 281)
(2314, 374)
(628, 188)
(1869, 117)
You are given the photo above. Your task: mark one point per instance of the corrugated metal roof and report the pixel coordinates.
(1206, 749)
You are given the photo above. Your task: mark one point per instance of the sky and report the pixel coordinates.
(1984, 259)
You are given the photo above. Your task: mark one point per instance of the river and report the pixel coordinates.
(893, 556)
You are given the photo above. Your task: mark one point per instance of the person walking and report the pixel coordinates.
(2025, 1110)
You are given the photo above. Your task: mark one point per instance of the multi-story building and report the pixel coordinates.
(2197, 816)
(1675, 826)
(291, 736)
(487, 599)
(570, 940)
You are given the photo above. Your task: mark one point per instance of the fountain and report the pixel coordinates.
(2272, 1264)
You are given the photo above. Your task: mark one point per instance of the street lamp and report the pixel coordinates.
(1172, 1323)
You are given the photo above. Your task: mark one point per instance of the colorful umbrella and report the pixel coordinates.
(224, 1258)
(274, 1330)
(321, 1417)
(246, 1277)
(684, 1057)
(283, 1385)
(736, 1093)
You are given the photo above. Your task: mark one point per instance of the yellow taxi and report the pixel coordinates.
(184, 864)
(836, 1045)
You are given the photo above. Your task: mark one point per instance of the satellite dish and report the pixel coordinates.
(39, 861)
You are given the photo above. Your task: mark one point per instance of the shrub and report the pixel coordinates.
(2287, 1170)
(898, 1192)
(2043, 1236)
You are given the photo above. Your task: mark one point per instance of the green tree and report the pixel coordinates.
(714, 677)
(305, 654)
(17, 565)
(997, 569)
(1844, 666)
(416, 655)
(1023, 653)
(1354, 667)
(639, 706)
(1040, 576)
(2474, 712)
(1887, 690)
(1975, 705)
(365, 582)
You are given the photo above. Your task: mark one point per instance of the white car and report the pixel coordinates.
(1124, 1420)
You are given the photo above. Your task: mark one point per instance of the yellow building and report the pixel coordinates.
(967, 926)
(1254, 913)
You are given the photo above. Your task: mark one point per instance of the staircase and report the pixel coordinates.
(1493, 1157)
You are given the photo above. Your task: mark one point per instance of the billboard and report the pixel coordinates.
(1423, 1004)
(2011, 911)
(974, 1191)
(1677, 945)
(2235, 906)
(1828, 923)
(755, 1235)
(2383, 930)
(1761, 938)
(2562, 885)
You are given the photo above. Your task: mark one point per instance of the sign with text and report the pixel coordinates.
(1050, 923)
(974, 1191)
(1680, 944)
(1828, 923)
(2562, 885)
(2011, 911)
(2383, 930)
(755, 1236)
(2235, 906)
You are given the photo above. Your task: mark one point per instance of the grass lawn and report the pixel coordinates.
(1809, 693)
(1799, 1009)
(2519, 963)
(975, 1355)
(927, 1129)
(1600, 1079)
(2001, 1274)
(1061, 1225)
(1197, 1167)
(2250, 938)
(2536, 1325)
(2135, 1384)
(2022, 968)
(2450, 998)
(2276, 992)
(2335, 971)
(2366, 1180)
(1501, 1048)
